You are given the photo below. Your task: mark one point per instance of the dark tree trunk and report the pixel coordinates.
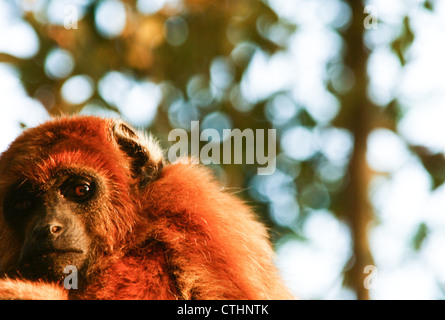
(357, 116)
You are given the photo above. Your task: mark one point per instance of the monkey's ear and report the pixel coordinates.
(146, 156)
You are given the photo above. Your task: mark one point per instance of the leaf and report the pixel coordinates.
(428, 5)
(434, 164)
(400, 45)
(420, 236)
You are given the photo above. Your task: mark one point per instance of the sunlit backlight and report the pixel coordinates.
(242, 53)
(402, 203)
(113, 87)
(389, 245)
(181, 113)
(391, 12)
(96, 108)
(284, 210)
(279, 190)
(336, 144)
(137, 101)
(238, 100)
(424, 125)
(281, 109)
(218, 121)
(255, 86)
(274, 31)
(316, 13)
(140, 104)
(16, 107)
(410, 281)
(267, 187)
(77, 89)
(384, 71)
(312, 268)
(59, 64)
(331, 173)
(199, 92)
(400, 200)
(434, 244)
(222, 72)
(110, 18)
(58, 11)
(308, 87)
(299, 143)
(323, 107)
(32, 5)
(18, 39)
(153, 6)
(386, 152)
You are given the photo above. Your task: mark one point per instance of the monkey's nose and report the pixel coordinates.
(47, 231)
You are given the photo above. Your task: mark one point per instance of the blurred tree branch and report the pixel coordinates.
(357, 115)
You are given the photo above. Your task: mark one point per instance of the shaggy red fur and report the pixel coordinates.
(180, 237)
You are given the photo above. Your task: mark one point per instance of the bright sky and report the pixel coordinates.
(402, 198)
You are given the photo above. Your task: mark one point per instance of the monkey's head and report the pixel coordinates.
(69, 195)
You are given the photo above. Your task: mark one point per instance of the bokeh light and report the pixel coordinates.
(77, 89)
(110, 18)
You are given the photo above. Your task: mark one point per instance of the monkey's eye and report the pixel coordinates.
(23, 205)
(78, 191)
(20, 203)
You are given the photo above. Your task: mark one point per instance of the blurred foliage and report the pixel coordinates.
(420, 236)
(434, 163)
(403, 41)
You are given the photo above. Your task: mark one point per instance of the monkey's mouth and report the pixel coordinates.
(31, 255)
(64, 251)
(50, 264)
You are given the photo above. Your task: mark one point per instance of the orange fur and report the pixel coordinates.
(180, 237)
(26, 290)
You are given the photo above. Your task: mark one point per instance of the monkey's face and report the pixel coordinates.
(69, 196)
(50, 220)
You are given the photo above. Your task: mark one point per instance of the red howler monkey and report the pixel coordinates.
(95, 194)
